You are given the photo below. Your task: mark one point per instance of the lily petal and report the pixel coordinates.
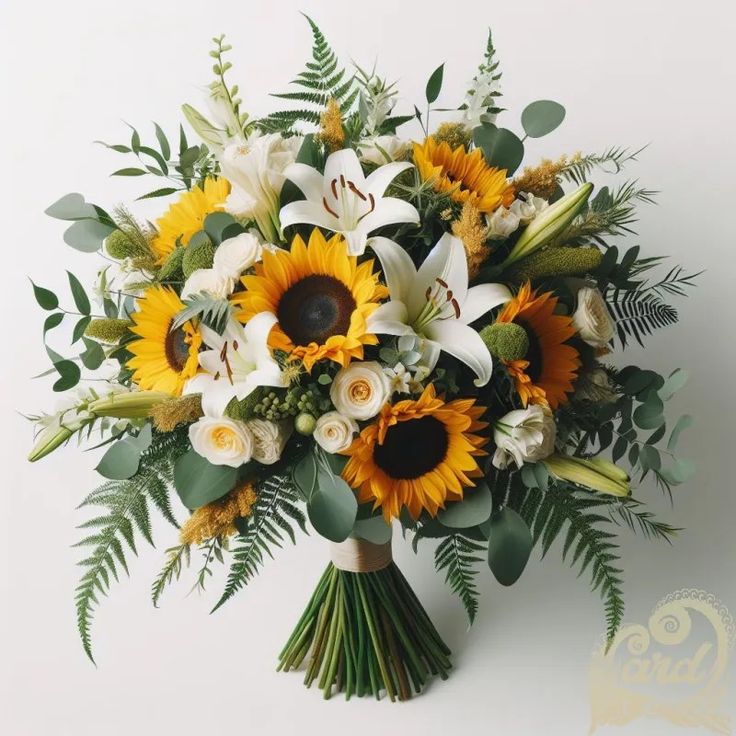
(398, 268)
(216, 393)
(377, 181)
(310, 213)
(356, 240)
(344, 163)
(465, 344)
(308, 179)
(481, 299)
(388, 211)
(389, 319)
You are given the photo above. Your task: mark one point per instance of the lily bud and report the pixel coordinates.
(546, 226)
(597, 474)
(54, 436)
(128, 405)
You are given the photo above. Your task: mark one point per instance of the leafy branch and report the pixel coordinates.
(457, 555)
(611, 161)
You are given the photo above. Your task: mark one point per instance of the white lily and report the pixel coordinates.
(346, 201)
(237, 362)
(435, 304)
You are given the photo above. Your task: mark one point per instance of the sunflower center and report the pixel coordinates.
(412, 448)
(533, 355)
(315, 308)
(177, 350)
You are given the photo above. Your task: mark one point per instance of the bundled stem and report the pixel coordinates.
(367, 632)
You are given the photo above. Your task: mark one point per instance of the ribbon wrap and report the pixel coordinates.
(359, 555)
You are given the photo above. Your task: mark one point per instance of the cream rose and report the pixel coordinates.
(209, 281)
(222, 441)
(269, 439)
(334, 432)
(524, 435)
(502, 223)
(592, 319)
(235, 255)
(360, 390)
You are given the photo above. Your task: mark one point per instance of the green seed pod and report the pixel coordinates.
(119, 246)
(108, 330)
(305, 424)
(172, 268)
(560, 261)
(246, 408)
(506, 340)
(197, 255)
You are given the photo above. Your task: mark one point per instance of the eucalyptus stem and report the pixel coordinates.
(365, 634)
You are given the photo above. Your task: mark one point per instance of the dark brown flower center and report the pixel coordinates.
(177, 350)
(315, 308)
(412, 448)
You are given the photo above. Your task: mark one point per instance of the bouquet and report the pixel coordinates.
(339, 326)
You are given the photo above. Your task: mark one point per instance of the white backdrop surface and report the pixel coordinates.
(629, 73)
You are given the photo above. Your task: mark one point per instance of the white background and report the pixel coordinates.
(628, 72)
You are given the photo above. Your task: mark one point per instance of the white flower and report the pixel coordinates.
(400, 379)
(524, 435)
(345, 201)
(382, 149)
(502, 223)
(235, 255)
(209, 281)
(360, 390)
(334, 432)
(527, 207)
(592, 319)
(222, 441)
(269, 439)
(479, 98)
(236, 363)
(435, 303)
(255, 168)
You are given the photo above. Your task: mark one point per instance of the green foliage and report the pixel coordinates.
(506, 340)
(501, 148)
(198, 482)
(638, 314)
(273, 516)
(458, 555)
(197, 255)
(176, 559)
(489, 75)
(320, 81)
(509, 545)
(210, 311)
(588, 544)
(125, 513)
(542, 117)
(611, 161)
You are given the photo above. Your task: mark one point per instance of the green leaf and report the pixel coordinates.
(542, 117)
(501, 148)
(199, 482)
(681, 471)
(93, 355)
(163, 142)
(69, 375)
(332, 507)
(121, 461)
(474, 509)
(676, 380)
(215, 223)
(509, 545)
(129, 171)
(87, 235)
(638, 380)
(163, 192)
(374, 530)
(434, 84)
(46, 299)
(683, 423)
(535, 475)
(304, 475)
(53, 320)
(79, 328)
(649, 414)
(79, 294)
(71, 207)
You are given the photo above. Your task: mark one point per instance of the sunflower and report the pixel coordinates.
(418, 453)
(186, 216)
(546, 374)
(163, 359)
(466, 177)
(320, 296)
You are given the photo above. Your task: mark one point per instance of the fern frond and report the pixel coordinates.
(273, 516)
(457, 555)
(125, 514)
(212, 312)
(637, 314)
(586, 545)
(322, 79)
(637, 519)
(611, 161)
(176, 559)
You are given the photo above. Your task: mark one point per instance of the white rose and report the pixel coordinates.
(592, 319)
(334, 432)
(235, 255)
(528, 207)
(360, 390)
(222, 441)
(502, 223)
(209, 281)
(269, 439)
(382, 149)
(524, 435)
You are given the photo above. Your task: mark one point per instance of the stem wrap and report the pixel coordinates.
(360, 555)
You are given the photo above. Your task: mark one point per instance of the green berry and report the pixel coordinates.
(506, 340)
(305, 424)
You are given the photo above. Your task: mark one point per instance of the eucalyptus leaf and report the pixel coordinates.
(69, 375)
(501, 148)
(93, 356)
(542, 117)
(374, 530)
(79, 294)
(683, 423)
(474, 509)
(53, 320)
(121, 461)
(199, 482)
(46, 299)
(215, 223)
(676, 380)
(304, 475)
(649, 414)
(87, 235)
(434, 84)
(79, 328)
(71, 207)
(332, 507)
(509, 545)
